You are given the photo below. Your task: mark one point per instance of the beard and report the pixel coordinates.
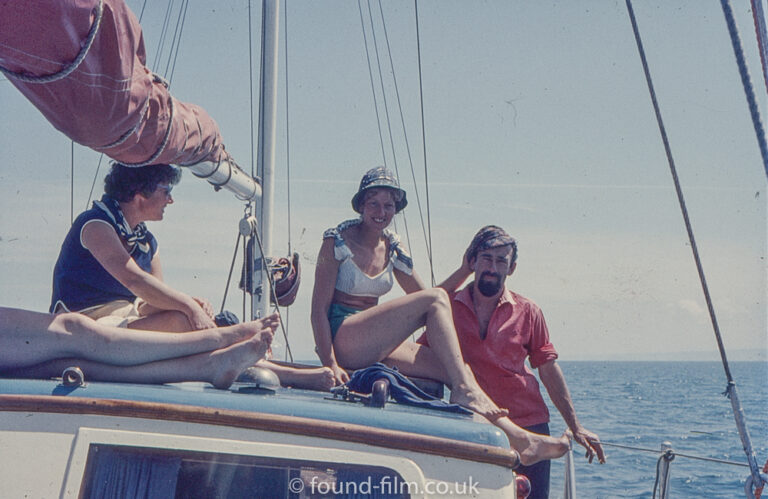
(489, 287)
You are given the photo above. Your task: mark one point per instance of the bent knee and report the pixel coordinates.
(73, 322)
(438, 297)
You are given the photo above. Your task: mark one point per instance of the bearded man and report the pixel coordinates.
(497, 330)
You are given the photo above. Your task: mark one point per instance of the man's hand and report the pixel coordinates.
(591, 442)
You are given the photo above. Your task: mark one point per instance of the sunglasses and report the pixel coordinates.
(166, 188)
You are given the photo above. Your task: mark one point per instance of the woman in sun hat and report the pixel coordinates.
(358, 263)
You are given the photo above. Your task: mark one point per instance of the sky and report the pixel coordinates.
(536, 117)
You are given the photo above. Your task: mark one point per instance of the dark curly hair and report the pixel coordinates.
(124, 182)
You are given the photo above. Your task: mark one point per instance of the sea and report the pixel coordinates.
(641, 405)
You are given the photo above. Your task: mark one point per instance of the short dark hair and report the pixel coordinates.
(491, 236)
(123, 183)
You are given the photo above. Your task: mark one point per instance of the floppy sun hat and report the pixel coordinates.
(379, 177)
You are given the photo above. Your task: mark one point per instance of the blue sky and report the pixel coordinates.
(536, 118)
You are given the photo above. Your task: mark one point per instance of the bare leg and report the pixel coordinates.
(533, 447)
(29, 338)
(166, 320)
(219, 367)
(375, 333)
(310, 378)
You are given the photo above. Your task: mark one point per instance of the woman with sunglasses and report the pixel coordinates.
(109, 268)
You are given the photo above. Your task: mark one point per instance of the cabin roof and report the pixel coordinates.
(283, 401)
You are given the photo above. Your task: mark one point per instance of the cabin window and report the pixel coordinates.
(126, 471)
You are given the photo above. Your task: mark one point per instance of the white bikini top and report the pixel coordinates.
(353, 281)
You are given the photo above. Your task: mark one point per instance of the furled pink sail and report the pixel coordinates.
(111, 102)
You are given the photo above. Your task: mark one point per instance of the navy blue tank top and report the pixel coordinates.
(79, 280)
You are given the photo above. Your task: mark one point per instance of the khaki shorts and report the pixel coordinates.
(118, 313)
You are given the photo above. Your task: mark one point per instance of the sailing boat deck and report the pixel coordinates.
(305, 434)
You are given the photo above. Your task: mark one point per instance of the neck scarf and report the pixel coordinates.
(138, 236)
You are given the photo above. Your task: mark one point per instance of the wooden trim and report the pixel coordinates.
(348, 432)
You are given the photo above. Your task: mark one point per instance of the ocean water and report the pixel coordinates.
(642, 404)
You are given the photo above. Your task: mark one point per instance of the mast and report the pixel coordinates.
(266, 150)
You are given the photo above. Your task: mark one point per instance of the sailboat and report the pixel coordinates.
(83, 429)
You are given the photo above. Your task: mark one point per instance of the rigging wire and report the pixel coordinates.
(381, 84)
(273, 294)
(71, 182)
(761, 32)
(163, 32)
(730, 391)
(407, 144)
(141, 14)
(173, 40)
(249, 208)
(373, 88)
(746, 81)
(229, 274)
(287, 145)
(386, 108)
(250, 87)
(424, 142)
(178, 41)
(93, 184)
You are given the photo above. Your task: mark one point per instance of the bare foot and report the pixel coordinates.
(474, 399)
(320, 378)
(544, 447)
(227, 363)
(236, 333)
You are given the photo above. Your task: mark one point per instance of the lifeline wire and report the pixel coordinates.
(731, 392)
(656, 451)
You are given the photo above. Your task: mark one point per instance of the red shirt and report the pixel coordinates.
(516, 330)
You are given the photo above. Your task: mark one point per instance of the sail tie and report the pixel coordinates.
(151, 160)
(68, 68)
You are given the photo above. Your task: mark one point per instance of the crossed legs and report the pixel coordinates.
(32, 342)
